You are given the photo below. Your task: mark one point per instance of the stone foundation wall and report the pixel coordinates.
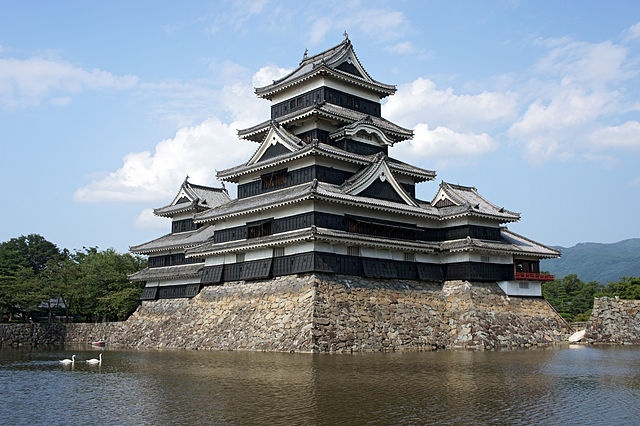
(614, 321)
(326, 313)
(31, 334)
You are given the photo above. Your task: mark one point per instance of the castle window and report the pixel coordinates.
(409, 257)
(485, 259)
(278, 251)
(239, 257)
(523, 285)
(273, 180)
(259, 229)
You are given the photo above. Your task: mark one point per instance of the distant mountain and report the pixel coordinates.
(603, 263)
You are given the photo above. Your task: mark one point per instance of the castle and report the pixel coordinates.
(321, 194)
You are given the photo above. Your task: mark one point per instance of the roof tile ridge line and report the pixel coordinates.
(507, 230)
(322, 55)
(292, 199)
(477, 193)
(308, 60)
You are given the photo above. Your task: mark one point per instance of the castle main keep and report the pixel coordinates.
(323, 208)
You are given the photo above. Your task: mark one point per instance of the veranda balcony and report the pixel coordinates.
(534, 276)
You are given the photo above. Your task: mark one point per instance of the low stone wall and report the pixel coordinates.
(322, 313)
(614, 321)
(31, 334)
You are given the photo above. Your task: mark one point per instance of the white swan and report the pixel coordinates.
(95, 361)
(68, 361)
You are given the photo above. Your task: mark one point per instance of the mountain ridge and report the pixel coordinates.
(601, 262)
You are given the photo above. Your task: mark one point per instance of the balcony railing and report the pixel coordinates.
(534, 276)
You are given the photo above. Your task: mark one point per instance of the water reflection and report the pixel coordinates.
(593, 385)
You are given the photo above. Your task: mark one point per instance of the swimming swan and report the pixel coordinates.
(68, 361)
(95, 361)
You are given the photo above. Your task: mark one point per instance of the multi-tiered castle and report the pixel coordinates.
(322, 195)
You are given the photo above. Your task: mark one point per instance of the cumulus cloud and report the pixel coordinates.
(149, 176)
(443, 145)
(147, 220)
(576, 85)
(196, 150)
(624, 137)
(27, 82)
(422, 102)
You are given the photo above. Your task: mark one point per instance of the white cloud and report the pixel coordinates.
(147, 220)
(335, 17)
(267, 74)
(568, 108)
(576, 87)
(443, 145)
(633, 33)
(195, 151)
(624, 137)
(593, 64)
(422, 102)
(26, 83)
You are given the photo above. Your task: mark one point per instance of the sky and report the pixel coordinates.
(106, 107)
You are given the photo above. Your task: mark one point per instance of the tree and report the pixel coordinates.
(626, 288)
(571, 297)
(104, 291)
(22, 259)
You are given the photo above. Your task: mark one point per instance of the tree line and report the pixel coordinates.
(573, 298)
(40, 282)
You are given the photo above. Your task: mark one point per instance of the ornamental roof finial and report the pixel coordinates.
(346, 36)
(305, 53)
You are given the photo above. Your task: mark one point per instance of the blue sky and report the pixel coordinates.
(105, 107)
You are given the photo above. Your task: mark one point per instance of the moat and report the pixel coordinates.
(577, 384)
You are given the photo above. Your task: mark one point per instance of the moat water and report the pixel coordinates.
(562, 385)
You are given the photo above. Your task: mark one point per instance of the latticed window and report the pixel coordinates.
(260, 229)
(276, 179)
(353, 251)
(410, 257)
(278, 251)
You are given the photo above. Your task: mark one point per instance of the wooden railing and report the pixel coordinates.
(534, 276)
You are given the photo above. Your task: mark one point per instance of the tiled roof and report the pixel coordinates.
(511, 243)
(312, 233)
(322, 149)
(327, 62)
(335, 112)
(181, 240)
(464, 200)
(168, 272)
(197, 198)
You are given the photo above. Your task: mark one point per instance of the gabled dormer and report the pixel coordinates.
(189, 200)
(377, 181)
(459, 200)
(277, 142)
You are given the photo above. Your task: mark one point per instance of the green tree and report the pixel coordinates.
(571, 297)
(22, 260)
(104, 291)
(626, 288)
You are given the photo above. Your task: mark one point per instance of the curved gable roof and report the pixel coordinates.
(339, 62)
